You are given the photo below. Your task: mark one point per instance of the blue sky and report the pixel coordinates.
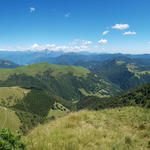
(76, 25)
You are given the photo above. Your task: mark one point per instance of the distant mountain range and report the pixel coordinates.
(62, 58)
(27, 57)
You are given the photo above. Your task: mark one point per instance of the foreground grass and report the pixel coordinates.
(8, 119)
(110, 129)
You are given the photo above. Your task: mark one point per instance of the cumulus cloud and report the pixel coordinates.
(102, 41)
(129, 33)
(37, 47)
(53, 47)
(81, 42)
(32, 9)
(75, 45)
(3, 49)
(34, 46)
(67, 15)
(105, 32)
(120, 26)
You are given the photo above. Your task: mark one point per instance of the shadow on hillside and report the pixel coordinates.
(139, 96)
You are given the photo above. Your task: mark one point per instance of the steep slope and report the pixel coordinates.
(139, 96)
(10, 96)
(124, 72)
(9, 119)
(7, 64)
(31, 107)
(126, 128)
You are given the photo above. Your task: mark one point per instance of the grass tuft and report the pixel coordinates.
(108, 129)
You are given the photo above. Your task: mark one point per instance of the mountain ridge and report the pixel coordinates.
(7, 64)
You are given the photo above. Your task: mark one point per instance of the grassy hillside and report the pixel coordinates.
(68, 82)
(119, 129)
(10, 96)
(9, 119)
(34, 69)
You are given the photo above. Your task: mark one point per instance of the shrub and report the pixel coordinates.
(142, 127)
(148, 146)
(8, 141)
(128, 140)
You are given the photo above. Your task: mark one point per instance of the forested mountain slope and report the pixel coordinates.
(139, 96)
(124, 72)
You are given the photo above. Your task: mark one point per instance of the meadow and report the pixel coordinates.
(125, 128)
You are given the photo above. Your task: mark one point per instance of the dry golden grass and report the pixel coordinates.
(10, 95)
(111, 129)
(8, 119)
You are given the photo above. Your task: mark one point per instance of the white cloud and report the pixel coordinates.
(80, 42)
(76, 45)
(74, 42)
(83, 42)
(105, 32)
(102, 41)
(148, 42)
(120, 26)
(129, 33)
(67, 15)
(3, 49)
(32, 9)
(6, 48)
(53, 47)
(38, 47)
(50, 45)
(35, 46)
